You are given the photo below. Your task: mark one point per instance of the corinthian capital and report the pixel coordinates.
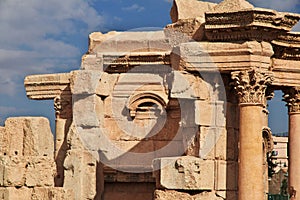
(251, 85)
(292, 99)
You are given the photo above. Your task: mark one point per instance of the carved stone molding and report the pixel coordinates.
(63, 106)
(267, 139)
(251, 85)
(292, 98)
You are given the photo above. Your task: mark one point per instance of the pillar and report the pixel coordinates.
(63, 120)
(250, 87)
(292, 97)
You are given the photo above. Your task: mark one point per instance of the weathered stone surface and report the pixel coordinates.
(226, 175)
(221, 56)
(84, 110)
(186, 9)
(185, 30)
(172, 194)
(48, 86)
(85, 81)
(26, 170)
(80, 174)
(233, 5)
(128, 42)
(52, 193)
(12, 193)
(186, 173)
(28, 136)
(187, 86)
(40, 172)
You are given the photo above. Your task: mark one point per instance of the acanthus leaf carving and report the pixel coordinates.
(251, 85)
(292, 99)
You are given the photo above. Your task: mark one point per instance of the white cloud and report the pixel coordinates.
(134, 7)
(36, 37)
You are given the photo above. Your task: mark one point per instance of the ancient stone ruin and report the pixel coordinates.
(174, 114)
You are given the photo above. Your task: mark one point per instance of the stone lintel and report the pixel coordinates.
(48, 86)
(221, 56)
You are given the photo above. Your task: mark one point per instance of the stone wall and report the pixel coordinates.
(27, 166)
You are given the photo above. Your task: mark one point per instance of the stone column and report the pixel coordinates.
(250, 87)
(292, 97)
(63, 114)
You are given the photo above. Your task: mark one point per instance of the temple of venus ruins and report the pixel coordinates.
(178, 113)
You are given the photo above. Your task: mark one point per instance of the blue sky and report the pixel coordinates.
(38, 37)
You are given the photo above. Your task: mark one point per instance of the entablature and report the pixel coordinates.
(47, 86)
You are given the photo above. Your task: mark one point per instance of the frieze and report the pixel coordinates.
(123, 63)
(251, 85)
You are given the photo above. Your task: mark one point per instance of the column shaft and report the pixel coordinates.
(251, 182)
(294, 156)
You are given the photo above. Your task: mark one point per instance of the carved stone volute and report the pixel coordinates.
(63, 106)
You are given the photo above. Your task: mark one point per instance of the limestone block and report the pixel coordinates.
(3, 144)
(142, 41)
(221, 144)
(28, 136)
(185, 30)
(12, 193)
(213, 143)
(14, 136)
(185, 173)
(12, 171)
(97, 39)
(84, 110)
(220, 113)
(29, 170)
(187, 86)
(52, 193)
(85, 81)
(40, 172)
(185, 9)
(172, 194)
(226, 175)
(92, 62)
(232, 5)
(80, 174)
(106, 84)
(38, 139)
(205, 113)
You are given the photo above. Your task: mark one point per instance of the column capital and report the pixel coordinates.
(63, 106)
(250, 86)
(292, 98)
